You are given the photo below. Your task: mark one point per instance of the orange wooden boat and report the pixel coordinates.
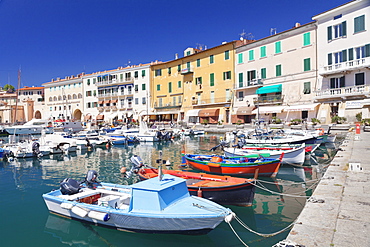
(221, 189)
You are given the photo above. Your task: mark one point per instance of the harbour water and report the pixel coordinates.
(25, 220)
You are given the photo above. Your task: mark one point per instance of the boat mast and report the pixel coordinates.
(16, 96)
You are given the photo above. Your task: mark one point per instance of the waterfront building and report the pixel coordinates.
(64, 98)
(344, 61)
(7, 108)
(32, 100)
(196, 88)
(275, 77)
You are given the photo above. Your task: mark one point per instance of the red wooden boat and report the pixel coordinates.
(221, 189)
(248, 165)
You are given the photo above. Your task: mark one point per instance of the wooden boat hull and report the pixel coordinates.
(268, 168)
(221, 189)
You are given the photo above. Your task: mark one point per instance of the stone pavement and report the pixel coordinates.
(343, 219)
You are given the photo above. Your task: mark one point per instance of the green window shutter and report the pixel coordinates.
(344, 28)
(251, 55)
(211, 59)
(350, 54)
(330, 59)
(240, 58)
(179, 68)
(188, 65)
(142, 73)
(224, 75)
(344, 55)
(278, 70)
(306, 39)
(170, 87)
(179, 84)
(359, 23)
(136, 74)
(367, 50)
(227, 55)
(158, 87)
(342, 81)
(307, 87)
(278, 47)
(143, 87)
(263, 51)
(263, 73)
(169, 70)
(241, 79)
(330, 37)
(212, 79)
(307, 64)
(136, 88)
(198, 62)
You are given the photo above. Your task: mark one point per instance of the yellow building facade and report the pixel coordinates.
(196, 88)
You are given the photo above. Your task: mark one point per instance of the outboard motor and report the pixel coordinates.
(69, 186)
(91, 177)
(36, 148)
(137, 161)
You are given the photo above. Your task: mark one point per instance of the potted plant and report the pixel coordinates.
(205, 121)
(315, 121)
(296, 121)
(359, 117)
(338, 120)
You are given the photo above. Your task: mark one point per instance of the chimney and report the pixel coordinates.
(176, 56)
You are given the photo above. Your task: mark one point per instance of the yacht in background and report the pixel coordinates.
(33, 127)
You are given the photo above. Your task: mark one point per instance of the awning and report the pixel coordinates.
(100, 117)
(308, 107)
(164, 113)
(87, 117)
(193, 113)
(269, 89)
(107, 102)
(268, 109)
(245, 110)
(209, 113)
(100, 102)
(114, 101)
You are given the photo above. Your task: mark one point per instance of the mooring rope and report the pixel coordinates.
(291, 183)
(283, 194)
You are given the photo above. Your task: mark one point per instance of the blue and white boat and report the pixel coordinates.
(152, 206)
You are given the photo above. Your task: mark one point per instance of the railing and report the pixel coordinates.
(113, 81)
(125, 92)
(187, 70)
(210, 101)
(269, 99)
(344, 91)
(252, 83)
(167, 105)
(349, 65)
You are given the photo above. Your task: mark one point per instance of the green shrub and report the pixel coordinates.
(276, 120)
(296, 121)
(338, 120)
(315, 121)
(359, 116)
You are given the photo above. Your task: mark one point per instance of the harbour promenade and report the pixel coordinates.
(338, 213)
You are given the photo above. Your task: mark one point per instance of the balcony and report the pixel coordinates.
(361, 91)
(187, 70)
(115, 81)
(249, 84)
(211, 101)
(167, 105)
(345, 66)
(269, 99)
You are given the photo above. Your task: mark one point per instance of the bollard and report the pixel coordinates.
(358, 129)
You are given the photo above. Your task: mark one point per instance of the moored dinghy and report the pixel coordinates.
(152, 206)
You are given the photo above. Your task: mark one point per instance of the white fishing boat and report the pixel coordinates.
(34, 126)
(157, 205)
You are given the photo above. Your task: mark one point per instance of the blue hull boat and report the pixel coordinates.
(151, 206)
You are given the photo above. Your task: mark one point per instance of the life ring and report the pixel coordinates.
(321, 131)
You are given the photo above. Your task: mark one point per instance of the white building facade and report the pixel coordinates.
(344, 61)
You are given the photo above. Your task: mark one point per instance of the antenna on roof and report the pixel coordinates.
(247, 36)
(273, 31)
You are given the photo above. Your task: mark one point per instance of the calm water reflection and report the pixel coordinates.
(25, 220)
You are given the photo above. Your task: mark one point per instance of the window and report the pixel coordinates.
(263, 51)
(338, 57)
(136, 101)
(170, 87)
(187, 53)
(188, 65)
(263, 73)
(307, 87)
(251, 55)
(241, 79)
(212, 96)
(278, 70)
(136, 88)
(227, 75)
(136, 74)
(360, 52)
(306, 39)
(94, 81)
(174, 101)
(251, 75)
(88, 81)
(143, 73)
(88, 93)
(240, 95)
(360, 24)
(227, 55)
(198, 62)
(337, 82)
(211, 59)
(307, 64)
(143, 87)
(212, 79)
(278, 47)
(337, 31)
(158, 72)
(158, 87)
(143, 101)
(179, 68)
(198, 81)
(330, 59)
(359, 79)
(169, 70)
(240, 58)
(179, 84)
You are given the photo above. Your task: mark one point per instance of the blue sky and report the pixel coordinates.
(57, 38)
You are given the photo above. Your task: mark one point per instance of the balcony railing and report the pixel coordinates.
(166, 105)
(252, 83)
(114, 81)
(349, 65)
(269, 99)
(343, 92)
(211, 101)
(187, 70)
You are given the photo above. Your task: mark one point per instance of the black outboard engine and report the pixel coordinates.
(91, 177)
(69, 186)
(36, 148)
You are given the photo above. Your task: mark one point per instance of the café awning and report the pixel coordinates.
(270, 89)
(307, 107)
(268, 109)
(193, 113)
(245, 110)
(209, 113)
